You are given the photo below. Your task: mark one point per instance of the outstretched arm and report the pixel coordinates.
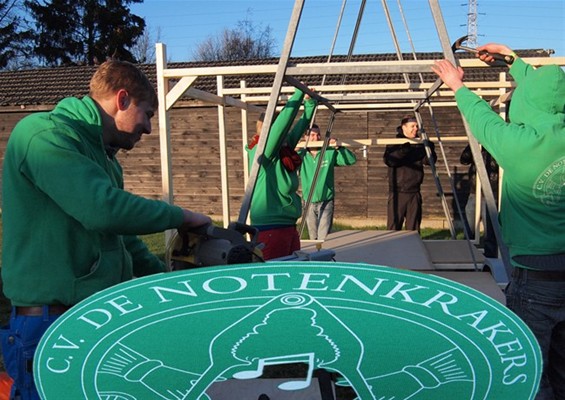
(281, 126)
(302, 124)
(485, 124)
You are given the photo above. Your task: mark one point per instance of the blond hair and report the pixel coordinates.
(113, 75)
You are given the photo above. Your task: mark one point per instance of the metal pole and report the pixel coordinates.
(474, 145)
(444, 204)
(330, 124)
(394, 38)
(277, 84)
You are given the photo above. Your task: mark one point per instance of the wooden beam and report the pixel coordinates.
(368, 87)
(164, 126)
(178, 90)
(380, 142)
(337, 68)
(221, 100)
(223, 155)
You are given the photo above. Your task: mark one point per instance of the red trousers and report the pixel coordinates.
(279, 242)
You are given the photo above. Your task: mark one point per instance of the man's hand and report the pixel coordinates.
(307, 96)
(193, 220)
(486, 50)
(451, 76)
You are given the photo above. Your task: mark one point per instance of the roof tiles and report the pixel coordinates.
(47, 86)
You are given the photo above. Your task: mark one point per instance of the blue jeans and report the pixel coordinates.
(19, 341)
(320, 219)
(541, 305)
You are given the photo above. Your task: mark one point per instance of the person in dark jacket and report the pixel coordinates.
(405, 175)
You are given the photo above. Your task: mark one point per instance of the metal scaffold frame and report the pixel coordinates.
(410, 96)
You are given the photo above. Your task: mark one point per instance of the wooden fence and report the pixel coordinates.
(361, 189)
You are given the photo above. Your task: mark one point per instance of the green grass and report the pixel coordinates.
(439, 234)
(156, 242)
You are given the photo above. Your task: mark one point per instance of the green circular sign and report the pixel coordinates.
(388, 333)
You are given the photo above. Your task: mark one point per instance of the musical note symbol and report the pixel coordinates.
(288, 359)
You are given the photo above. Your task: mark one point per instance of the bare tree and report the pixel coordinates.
(144, 48)
(246, 41)
(13, 35)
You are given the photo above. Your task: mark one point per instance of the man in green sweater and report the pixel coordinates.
(275, 205)
(319, 217)
(69, 226)
(531, 150)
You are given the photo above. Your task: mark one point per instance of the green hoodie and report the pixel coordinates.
(275, 201)
(325, 182)
(531, 150)
(69, 227)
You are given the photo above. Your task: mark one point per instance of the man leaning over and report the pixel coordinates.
(69, 226)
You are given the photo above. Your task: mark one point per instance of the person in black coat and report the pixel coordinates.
(405, 175)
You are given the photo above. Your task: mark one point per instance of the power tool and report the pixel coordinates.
(211, 245)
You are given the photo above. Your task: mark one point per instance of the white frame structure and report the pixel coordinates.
(409, 96)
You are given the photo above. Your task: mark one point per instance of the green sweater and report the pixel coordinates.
(325, 183)
(275, 200)
(69, 227)
(531, 150)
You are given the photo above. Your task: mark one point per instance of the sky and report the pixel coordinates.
(182, 24)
